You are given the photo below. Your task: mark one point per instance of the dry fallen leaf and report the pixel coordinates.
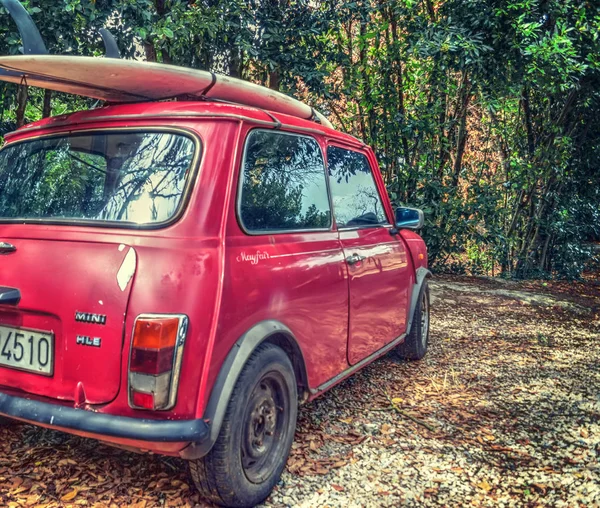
(17, 481)
(386, 429)
(484, 485)
(69, 496)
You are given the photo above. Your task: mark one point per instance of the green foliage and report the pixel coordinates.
(482, 112)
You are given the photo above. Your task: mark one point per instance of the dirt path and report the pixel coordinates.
(505, 410)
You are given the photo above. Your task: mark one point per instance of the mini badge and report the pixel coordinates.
(84, 340)
(88, 317)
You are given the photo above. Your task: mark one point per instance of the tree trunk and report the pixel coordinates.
(47, 108)
(150, 51)
(412, 181)
(370, 127)
(236, 63)
(462, 112)
(430, 10)
(22, 95)
(528, 123)
(544, 256)
(274, 79)
(461, 144)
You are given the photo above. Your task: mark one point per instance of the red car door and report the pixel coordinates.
(377, 263)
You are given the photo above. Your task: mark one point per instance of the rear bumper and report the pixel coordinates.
(103, 425)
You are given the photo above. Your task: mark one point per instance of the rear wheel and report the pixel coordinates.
(415, 345)
(255, 439)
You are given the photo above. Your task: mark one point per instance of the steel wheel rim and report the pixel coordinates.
(424, 319)
(265, 427)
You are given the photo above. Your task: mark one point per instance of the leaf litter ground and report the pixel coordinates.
(504, 411)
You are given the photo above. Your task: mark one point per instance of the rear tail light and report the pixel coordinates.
(142, 400)
(155, 360)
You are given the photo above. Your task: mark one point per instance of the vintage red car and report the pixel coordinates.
(176, 277)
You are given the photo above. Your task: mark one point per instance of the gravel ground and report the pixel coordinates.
(504, 411)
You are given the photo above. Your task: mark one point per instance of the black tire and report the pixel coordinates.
(415, 345)
(257, 433)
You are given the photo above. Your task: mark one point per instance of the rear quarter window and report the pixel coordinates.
(283, 184)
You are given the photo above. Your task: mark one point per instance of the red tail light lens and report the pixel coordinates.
(155, 333)
(155, 360)
(142, 400)
(151, 361)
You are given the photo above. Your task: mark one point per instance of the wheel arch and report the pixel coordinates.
(421, 275)
(269, 331)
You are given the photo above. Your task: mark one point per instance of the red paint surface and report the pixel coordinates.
(203, 266)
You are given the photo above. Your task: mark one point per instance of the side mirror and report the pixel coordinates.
(409, 218)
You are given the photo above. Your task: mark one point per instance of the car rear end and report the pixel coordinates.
(109, 271)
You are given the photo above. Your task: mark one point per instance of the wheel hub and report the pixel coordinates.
(265, 423)
(262, 424)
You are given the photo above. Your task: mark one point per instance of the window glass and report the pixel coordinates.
(356, 201)
(284, 185)
(118, 177)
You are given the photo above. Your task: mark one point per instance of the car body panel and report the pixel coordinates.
(58, 279)
(205, 266)
(379, 286)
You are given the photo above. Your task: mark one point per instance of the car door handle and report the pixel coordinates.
(355, 258)
(6, 248)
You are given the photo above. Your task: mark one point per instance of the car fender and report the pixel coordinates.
(229, 373)
(421, 275)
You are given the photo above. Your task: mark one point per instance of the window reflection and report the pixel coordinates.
(128, 177)
(284, 186)
(356, 200)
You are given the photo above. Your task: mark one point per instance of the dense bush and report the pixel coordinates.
(482, 112)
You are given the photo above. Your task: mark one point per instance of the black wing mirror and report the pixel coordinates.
(409, 218)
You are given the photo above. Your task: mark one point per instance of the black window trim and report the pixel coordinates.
(238, 201)
(387, 224)
(185, 196)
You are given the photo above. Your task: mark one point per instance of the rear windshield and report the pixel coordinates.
(124, 177)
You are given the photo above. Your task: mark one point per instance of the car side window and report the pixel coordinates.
(356, 200)
(284, 186)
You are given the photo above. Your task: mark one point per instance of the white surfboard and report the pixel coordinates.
(119, 81)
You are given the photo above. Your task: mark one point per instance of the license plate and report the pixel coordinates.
(29, 350)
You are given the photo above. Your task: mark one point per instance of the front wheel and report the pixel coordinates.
(257, 433)
(415, 345)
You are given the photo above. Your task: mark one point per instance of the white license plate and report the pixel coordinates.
(30, 350)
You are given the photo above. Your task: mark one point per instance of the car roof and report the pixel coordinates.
(180, 110)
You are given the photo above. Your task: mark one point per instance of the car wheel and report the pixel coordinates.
(415, 345)
(257, 433)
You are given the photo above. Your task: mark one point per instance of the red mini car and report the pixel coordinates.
(176, 277)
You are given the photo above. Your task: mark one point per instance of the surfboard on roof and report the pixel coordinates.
(121, 81)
